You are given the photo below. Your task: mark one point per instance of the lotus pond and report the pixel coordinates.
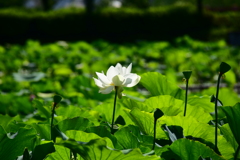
(100, 100)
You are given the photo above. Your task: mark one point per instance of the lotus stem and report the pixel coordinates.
(186, 97)
(53, 110)
(154, 133)
(114, 108)
(236, 153)
(216, 112)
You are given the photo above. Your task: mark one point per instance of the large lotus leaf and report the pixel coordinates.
(228, 135)
(103, 131)
(192, 150)
(157, 84)
(77, 123)
(233, 117)
(2, 133)
(106, 111)
(97, 149)
(61, 152)
(86, 137)
(225, 148)
(226, 95)
(70, 111)
(11, 124)
(171, 107)
(203, 102)
(13, 145)
(126, 138)
(43, 130)
(130, 103)
(73, 111)
(136, 132)
(161, 149)
(145, 122)
(191, 127)
(130, 137)
(46, 112)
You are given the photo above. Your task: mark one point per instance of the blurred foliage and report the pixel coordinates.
(119, 25)
(136, 3)
(39, 70)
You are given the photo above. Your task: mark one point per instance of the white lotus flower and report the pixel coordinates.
(117, 76)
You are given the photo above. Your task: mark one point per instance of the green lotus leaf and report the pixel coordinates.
(61, 152)
(43, 130)
(69, 112)
(86, 137)
(77, 123)
(190, 150)
(171, 106)
(227, 96)
(103, 131)
(106, 111)
(145, 122)
(13, 145)
(126, 138)
(201, 101)
(46, 112)
(233, 117)
(130, 137)
(130, 103)
(228, 135)
(11, 124)
(97, 148)
(191, 127)
(157, 84)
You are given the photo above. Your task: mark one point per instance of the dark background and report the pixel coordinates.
(135, 20)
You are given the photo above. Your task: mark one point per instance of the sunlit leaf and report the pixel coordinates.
(196, 129)
(227, 133)
(106, 110)
(61, 152)
(86, 137)
(201, 101)
(44, 130)
(233, 117)
(171, 106)
(126, 138)
(97, 148)
(158, 84)
(145, 122)
(189, 150)
(104, 131)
